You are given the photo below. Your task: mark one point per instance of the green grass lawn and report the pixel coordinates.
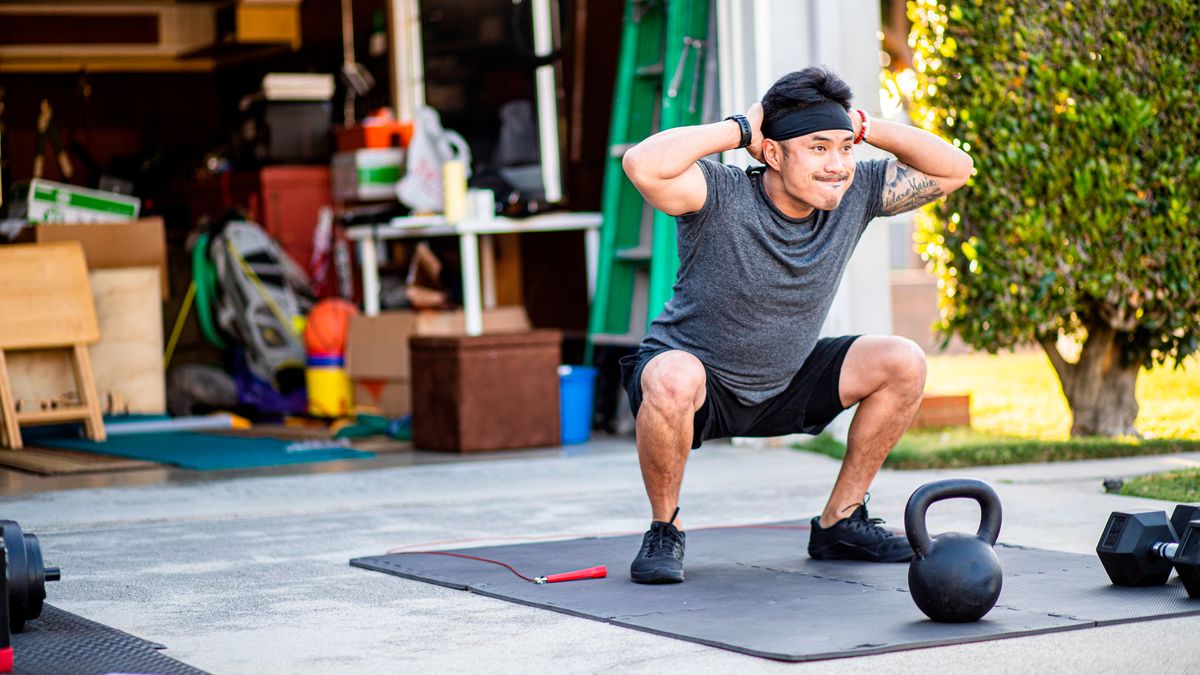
(1174, 486)
(955, 448)
(1019, 414)
(1019, 395)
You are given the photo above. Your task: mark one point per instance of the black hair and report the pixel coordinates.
(804, 88)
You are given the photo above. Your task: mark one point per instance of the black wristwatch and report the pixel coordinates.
(745, 126)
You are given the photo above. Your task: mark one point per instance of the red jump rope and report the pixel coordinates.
(597, 572)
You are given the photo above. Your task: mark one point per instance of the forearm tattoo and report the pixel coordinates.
(905, 189)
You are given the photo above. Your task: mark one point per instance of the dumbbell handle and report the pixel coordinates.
(1165, 549)
(52, 574)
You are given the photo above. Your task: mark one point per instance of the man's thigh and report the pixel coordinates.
(811, 400)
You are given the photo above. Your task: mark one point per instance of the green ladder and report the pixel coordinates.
(660, 81)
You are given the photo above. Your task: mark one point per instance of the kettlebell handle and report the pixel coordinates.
(927, 494)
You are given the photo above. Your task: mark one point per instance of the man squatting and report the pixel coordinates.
(736, 351)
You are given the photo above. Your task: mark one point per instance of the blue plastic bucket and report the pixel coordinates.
(577, 385)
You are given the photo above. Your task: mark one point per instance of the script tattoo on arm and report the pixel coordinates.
(905, 188)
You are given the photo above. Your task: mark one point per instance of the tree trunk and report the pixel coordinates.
(1099, 389)
(1113, 408)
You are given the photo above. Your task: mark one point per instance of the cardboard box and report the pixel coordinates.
(392, 398)
(43, 201)
(377, 351)
(454, 322)
(140, 243)
(268, 21)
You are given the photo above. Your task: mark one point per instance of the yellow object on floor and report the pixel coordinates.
(329, 388)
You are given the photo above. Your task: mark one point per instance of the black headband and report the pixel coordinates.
(820, 117)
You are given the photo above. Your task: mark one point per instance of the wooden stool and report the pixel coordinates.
(46, 303)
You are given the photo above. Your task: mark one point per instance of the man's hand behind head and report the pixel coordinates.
(755, 116)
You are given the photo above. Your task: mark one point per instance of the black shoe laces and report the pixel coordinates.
(858, 520)
(664, 539)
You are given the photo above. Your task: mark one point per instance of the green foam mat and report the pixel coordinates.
(206, 452)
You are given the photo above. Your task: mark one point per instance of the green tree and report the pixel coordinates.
(1084, 123)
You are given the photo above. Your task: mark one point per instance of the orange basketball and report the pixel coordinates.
(328, 323)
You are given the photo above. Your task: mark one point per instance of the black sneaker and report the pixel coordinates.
(857, 537)
(661, 559)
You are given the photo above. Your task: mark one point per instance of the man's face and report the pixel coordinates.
(817, 168)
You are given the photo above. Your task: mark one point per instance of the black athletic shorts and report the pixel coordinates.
(808, 405)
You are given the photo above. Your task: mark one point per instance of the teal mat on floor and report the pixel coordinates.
(203, 452)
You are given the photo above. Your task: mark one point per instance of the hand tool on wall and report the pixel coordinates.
(45, 127)
(358, 80)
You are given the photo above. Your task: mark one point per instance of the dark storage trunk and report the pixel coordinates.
(486, 392)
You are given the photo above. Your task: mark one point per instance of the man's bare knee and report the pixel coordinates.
(673, 383)
(891, 365)
(904, 363)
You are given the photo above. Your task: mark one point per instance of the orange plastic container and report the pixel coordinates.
(389, 134)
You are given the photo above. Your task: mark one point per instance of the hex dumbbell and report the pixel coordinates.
(27, 575)
(1139, 548)
(1187, 558)
(6, 650)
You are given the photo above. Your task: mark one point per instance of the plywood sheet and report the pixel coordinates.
(141, 243)
(127, 359)
(60, 462)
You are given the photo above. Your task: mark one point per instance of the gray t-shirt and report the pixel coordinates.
(754, 286)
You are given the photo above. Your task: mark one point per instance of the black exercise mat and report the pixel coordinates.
(60, 642)
(754, 590)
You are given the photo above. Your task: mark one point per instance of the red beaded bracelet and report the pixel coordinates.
(864, 128)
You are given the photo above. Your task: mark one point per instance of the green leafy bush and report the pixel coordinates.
(1084, 123)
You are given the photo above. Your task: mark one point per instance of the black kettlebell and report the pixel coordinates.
(954, 577)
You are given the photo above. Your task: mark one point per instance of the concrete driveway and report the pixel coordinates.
(250, 575)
